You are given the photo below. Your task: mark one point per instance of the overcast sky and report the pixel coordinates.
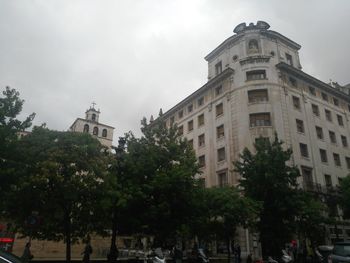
(134, 57)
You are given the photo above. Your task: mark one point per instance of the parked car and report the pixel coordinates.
(340, 253)
(7, 257)
(323, 252)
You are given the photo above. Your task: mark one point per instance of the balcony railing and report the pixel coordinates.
(321, 189)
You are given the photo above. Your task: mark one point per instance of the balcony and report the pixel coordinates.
(320, 189)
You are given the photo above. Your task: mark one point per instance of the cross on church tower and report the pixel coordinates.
(93, 104)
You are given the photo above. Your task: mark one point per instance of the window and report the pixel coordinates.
(315, 110)
(253, 46)
(201, 183)
(328, 115)
(181, 114)
(303, 150)
(328, 180)
(190, 108)
(259, 95)
(201, 140)
(93, 117)
(256, 75)
(104, 133)
(218, 68)
(332, 137)
(300, 126)
(221, 154)
(219, 109)
(86, 128)
(336, 158)
(200, 101)
(347, 159)
(190, 125)
(312, 91)
(306, 172)
(201, 161)
(323, 155)
(293, 82)
(201, 120)
(340, 120)
(296, 103)
(260, 119)
(319, 133)
(324, 96)
(222, 178)
(218, 90)
(289, 59)
(335, 101)
(344, 141)
(220, 131)
(172, 120)
(95, 131)
(263, 140)
(180, 130)
(190, 143)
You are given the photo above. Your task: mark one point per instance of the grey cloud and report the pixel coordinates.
(134, 57)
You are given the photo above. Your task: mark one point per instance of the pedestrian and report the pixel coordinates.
(177, 255)
(27, 254)
(249, 258)
(87, 252)
(238, 253)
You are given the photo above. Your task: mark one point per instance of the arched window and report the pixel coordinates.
(86, 128)
(93, 117)
(95, 132)
(104, 133)
(253, 46)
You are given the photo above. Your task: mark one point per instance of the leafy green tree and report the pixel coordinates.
(311, 217)
(150, 185)
(267, 178)
(228, 210)
(161, 167)
(170, 172)
(60, 181)
(122, 202)
(10, 107)
(345, 196)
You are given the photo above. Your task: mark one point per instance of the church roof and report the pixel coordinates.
(90, 121)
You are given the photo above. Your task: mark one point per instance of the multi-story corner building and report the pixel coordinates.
(91, 124)
(256, 87)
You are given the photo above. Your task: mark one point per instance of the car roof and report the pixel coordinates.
(10, 256)
(342, 243)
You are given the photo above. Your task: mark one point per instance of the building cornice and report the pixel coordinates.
(282, 38)
(312, 80)
(225, 74)
(228, 42)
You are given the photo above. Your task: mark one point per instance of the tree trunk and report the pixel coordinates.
(67, 228)
(113, 250)
(228, 249)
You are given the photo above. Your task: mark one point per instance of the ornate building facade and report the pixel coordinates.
(91, 124)
(256, 87)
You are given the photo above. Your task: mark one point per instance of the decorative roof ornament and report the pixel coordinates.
(262, 25)
(259, 25)
(240, 28)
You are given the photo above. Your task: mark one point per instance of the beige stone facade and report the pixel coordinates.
(255, 88)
